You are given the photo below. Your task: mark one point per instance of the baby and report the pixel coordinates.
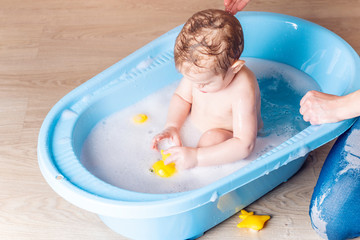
(218, 91)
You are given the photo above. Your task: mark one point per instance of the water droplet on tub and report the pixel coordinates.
(214, 196)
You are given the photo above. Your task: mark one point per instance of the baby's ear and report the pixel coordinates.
(237, 65)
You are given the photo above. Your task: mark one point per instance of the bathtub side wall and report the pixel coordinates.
(195, 222)
(304, 45)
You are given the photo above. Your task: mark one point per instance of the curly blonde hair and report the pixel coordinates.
(210, 39)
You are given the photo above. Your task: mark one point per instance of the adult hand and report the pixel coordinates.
(234, 6)
(318, 108)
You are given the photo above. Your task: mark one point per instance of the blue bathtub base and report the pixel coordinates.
(194, 223)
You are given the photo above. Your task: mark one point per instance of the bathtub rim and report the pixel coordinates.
(188, 200)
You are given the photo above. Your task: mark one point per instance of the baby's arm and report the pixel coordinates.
(318, 108)
(179, 109)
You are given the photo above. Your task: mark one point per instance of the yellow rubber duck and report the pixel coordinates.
(140, 118)
(252, 221)
(163, 170)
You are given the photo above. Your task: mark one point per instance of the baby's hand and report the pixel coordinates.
(170, 133)
(183, 157)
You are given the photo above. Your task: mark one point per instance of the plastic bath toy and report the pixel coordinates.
(163, 170)
(140, 118)
(255, 222)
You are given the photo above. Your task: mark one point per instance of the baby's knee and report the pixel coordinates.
(213, 137)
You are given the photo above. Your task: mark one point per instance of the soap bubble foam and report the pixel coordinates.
(119, 151)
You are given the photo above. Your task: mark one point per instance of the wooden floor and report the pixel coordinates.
(48, 47)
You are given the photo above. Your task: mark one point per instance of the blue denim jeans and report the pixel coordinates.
(335, 204)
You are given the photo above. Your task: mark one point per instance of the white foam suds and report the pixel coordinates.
(145, 63)
(119, 151)
(352, 152)
(318, 222)
(68, 114)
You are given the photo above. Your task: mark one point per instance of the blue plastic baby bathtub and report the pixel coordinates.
(324, 56)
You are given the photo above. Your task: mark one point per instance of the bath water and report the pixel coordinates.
(118, 151)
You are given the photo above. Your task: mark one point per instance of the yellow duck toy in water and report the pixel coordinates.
(140, 118)
(255, 222)
(163, 170)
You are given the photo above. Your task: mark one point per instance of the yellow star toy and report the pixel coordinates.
(163, 170)
(252, 221)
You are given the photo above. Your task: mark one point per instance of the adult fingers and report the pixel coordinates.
(229, 4)
(304, 98)
(240, 5)
(303, 109)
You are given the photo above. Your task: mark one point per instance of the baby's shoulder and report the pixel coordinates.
(245, 74)
(245, 78)
(184, 90)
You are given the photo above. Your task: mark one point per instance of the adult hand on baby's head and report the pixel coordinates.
(234, 6)
(183, 157)
(170, 133)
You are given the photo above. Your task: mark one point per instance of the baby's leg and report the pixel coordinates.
(214, 136)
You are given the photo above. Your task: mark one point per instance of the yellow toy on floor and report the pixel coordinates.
(163, 170)
(255, 222)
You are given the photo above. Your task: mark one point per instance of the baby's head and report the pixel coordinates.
(211, 40)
